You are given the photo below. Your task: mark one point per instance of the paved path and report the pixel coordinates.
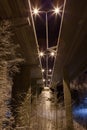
(45, 113)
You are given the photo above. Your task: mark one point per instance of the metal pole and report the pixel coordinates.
(46, 50)
(46, 31)
(46, 70)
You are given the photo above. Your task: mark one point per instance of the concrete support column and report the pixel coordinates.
(35, 86)
(67, 101)
(21, 93)
(5, 93)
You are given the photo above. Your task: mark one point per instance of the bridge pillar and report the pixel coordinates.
(35, 87)
(67, 101)
(21, 92)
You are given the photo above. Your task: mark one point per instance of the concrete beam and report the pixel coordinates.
(67, 101)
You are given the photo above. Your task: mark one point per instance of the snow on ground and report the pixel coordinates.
(46, 115)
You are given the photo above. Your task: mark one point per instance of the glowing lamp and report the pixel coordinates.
(41, 54)
(52, 54)
(35, 11)
(57, 10)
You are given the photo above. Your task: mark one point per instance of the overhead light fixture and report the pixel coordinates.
(41, 54)
(48, 80)
(43, 70)
(50, 70)
(44, 80)
(56, 10)
(36, 11)
(52, 54)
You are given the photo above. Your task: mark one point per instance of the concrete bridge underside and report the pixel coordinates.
(71, 59)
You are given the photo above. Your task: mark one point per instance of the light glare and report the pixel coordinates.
(36, 11)
(49, 80)
(43, 80)
(43, 70)
(50, 70)
(52, 54)
(56, 10)
(41, 54)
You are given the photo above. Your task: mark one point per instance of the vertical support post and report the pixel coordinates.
(46, 31)
(47, 49)
(46, 70)
(67, 101)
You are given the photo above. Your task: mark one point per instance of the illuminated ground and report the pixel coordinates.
(46, 115)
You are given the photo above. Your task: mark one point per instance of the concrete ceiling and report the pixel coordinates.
(18, 12)
(72, 42)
